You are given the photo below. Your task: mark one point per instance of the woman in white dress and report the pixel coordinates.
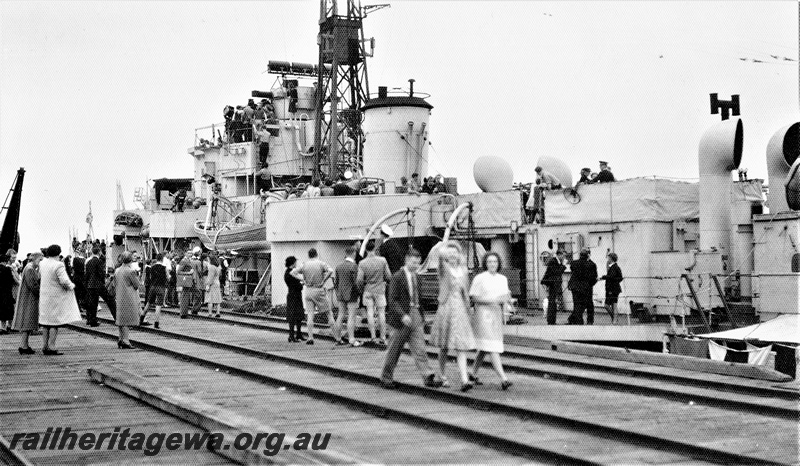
(490, 295)
(451, 327)
(213, 291)
(57, 303)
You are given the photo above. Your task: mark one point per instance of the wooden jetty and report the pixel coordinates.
(199, 375)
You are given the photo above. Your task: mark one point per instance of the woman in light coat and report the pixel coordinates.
(213, 290)
(451, 327)
(129, 305)
(26, 315)
(57, 303)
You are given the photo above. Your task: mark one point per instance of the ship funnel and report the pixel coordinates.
(792, 186)
(557, 167)
(395, 136)
(720, 152)
(783, 150)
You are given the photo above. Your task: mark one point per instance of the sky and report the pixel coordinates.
(95, 92)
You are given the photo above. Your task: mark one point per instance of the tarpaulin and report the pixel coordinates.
(629, 200)
(755, 355)
(758, 356)
(717, 352)
(747, 191)
(782, 329)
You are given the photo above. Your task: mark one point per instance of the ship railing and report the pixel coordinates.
(209, 136)
(239, 171)
(400, 92)
(215, 136)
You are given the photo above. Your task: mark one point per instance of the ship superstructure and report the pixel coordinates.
(707, 250)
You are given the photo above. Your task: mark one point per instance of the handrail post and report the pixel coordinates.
(697, 302)
(724, 301)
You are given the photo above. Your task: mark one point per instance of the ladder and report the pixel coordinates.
(262, 282)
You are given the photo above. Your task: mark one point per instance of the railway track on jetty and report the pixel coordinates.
(511, 422)
(605, 375)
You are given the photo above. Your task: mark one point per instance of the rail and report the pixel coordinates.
(12, 457)
(593, 429)
(600, 381)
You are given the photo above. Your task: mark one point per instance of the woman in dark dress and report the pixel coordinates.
(294, 301)
(613, 278)
(7, 298)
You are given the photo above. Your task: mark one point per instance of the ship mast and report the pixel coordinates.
(343, 85)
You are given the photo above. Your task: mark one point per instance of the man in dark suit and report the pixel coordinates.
(404, 317)
(581, 283)
(605, 175)
(186, 284)
(79, 272)
(95, 276)
(390, 249)
(344, 281)
(552, 280)
(341, 188)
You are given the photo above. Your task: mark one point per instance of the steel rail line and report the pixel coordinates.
(598, 381)
(638, 439)
(12, 457)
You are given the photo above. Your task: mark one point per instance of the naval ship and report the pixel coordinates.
(710, 256)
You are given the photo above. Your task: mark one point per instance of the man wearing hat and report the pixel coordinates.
(200, 283)
(605, 175)
(390, 250)
(186, 284)
(581, 283)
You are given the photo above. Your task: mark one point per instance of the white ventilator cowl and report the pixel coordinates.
(720, 152)
(492, 174)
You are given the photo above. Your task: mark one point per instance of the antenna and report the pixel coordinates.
(120, 197)
(343, 84)
(89, 220)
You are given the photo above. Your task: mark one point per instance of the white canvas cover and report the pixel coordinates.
(494, 210)
(747, 191)
(635, 199)
(782, 329)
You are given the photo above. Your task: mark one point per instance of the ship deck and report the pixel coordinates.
(603, 331)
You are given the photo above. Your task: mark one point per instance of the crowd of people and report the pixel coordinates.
(342, 187)
(84, 247)
(581, 283)
(428, 185)
(546, 181)
(469, 316)
(47, 290)
(243, 120)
